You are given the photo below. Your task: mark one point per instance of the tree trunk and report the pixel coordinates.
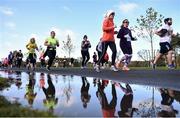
(152, 50)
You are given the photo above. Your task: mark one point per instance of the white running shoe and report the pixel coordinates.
(114, 68)
(97, 68)
(103, 67)
(125, 68)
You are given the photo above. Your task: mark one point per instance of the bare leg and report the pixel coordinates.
(158, 56)
(169, 57)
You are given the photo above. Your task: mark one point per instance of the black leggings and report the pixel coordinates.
(51, 54)
(85, 57)
(112, 46)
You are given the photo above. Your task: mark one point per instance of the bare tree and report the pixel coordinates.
(143, 54)
(68, 46)
(147, 25)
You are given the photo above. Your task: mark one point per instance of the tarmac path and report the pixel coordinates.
(159, 78)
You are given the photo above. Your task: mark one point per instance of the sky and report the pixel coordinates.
(22, 19)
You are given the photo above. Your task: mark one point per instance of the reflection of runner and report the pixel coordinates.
(85, 96)
(126, 102)
(42, 81)
(167, 109)
(30, 94)
(51, 44)
(50, 101)
(108, 109)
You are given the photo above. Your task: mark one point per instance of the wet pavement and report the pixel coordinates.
(159, 78)
(71, 95)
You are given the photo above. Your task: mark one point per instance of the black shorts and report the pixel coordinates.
(165, 47)
(32, 58)
(126, 47)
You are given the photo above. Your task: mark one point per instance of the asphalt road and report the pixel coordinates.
(157, 78)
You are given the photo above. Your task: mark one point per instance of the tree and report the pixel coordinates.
(147, 25)
(175, 42)
(68, 47)
(143, 54)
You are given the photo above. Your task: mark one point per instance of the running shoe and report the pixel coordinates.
(153, 66)
(171, 67)
(97, 68)
(113, 68)
(125, 68)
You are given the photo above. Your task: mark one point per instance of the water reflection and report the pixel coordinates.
(126, 102)
(67, 89)
(85, 96)
(51, 101)
(167, 109)
(30, 94)
(108, 108)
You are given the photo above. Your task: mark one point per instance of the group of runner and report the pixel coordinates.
(107, 40)
(51, 43)
(124, 34)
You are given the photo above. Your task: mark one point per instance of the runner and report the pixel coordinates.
(85, 45)
(19, 58)
(165, 33)
(108, 39)
(41, 58)
(10, 59)
(32, 46)
(99, 51)
(94, 59)
(51, 44)
(125, 43)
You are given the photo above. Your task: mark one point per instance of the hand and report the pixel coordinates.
(115, 32)
(86, 42)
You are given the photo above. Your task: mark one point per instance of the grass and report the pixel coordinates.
(4, 83)
(149, 68)
(8, 109)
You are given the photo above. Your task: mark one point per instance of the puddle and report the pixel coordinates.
(86, 96)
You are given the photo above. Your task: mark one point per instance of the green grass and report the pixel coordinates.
(149, 68)
(8, 109)
(4, 83)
